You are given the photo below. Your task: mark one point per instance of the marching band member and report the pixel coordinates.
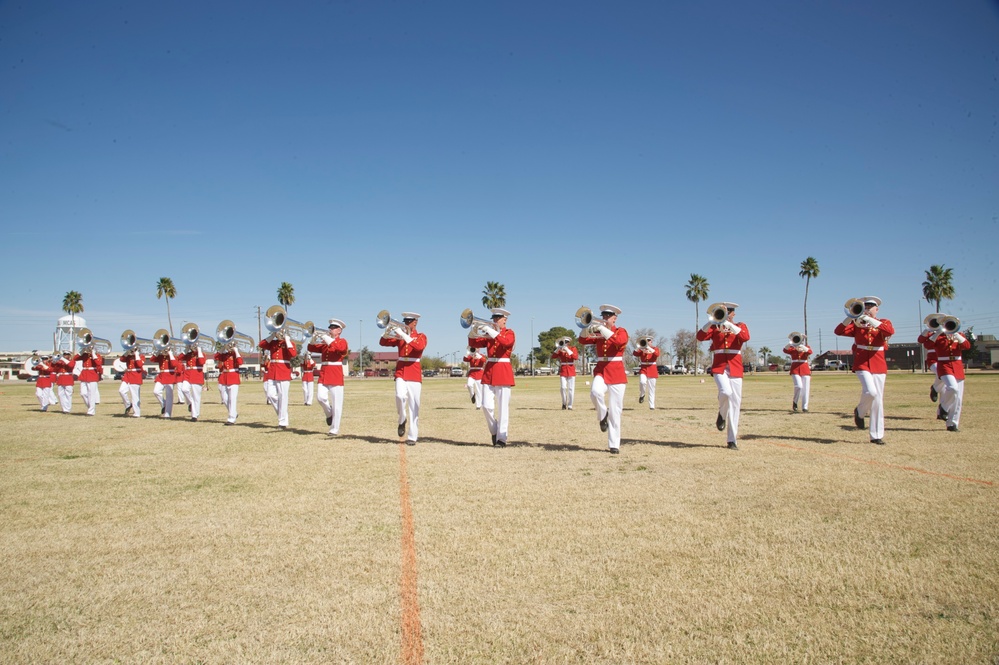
(64, 378)
(727, 337)
(926, 338)
(43, 384)
(278, 379)
(308, 369)
(801, 373)
(166, 378)
(408, 373)
(950, 367)
(193, 379)
(609, 375)
(648, 373)
(333, 349)
(228, 362)
(870, 337)
(89, 367)
(497, 376)
(131, 381)
(476, 362)
(566, 355)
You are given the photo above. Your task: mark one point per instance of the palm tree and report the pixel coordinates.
(697, 290)
(765, 350)
(494, 295)
(809, 269)
(286, 295)
(165, 287)
(939, 284)
(72, 304)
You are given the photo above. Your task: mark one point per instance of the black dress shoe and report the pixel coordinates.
(804, 410)
(641, 399)
(162, 410)
(952, 428)
(933, 394)
(473, 399)
(500, 443)
(194, 420)
(720, 423)
(603, 424)
(401, 430)
(879, 442)
(128, 409)
(494, 439)
(411, 443)
(563, 407)
(857, 420)
(732, 445)
(794, 406)
(329, 421)
(941, 414)
(229, 423)
(614, 451)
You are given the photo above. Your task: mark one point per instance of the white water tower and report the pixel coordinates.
(65, 333)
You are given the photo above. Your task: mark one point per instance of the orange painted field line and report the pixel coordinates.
(412, 638)
(988, 483)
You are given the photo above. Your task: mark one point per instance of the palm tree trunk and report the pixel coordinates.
(807, 282)
(169, 320)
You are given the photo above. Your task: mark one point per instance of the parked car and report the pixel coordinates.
(457, 371)
(663, 369)
(429, 372)
(678, 369)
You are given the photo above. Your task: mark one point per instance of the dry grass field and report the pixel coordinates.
(152, 541)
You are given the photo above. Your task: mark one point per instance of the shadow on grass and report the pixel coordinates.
(799, 439)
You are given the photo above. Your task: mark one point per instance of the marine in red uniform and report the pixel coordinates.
(609, 375)
(43, 384)
(193, 381)
(227, 362)
(332, 348)
(565, 355)
(132, 362)
(726, 340)
(926, 338)
(476, 362)
(308, 369)
(64, 378)
(801, 373)
(870, 339)
(950, 348)
(408, 372)
(166, 379)
(497, 376)
(89, 369)
(648, 371)
(278, 379)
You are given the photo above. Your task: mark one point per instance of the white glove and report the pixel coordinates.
(960, 338)
(707, 326)
(492, 332)
(871, 322)
(604, 331)
(848, 320)
(801, 348)
(235, 352)
(406, 338)
(170, 355)
(731, 327)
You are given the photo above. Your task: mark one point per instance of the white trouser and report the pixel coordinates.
(308, 390)
(331, 399)
(729, 403)
(802, 388)
(952, 398)
(872, 401)
(407, 402)
(496, 407)
(50, 393)
(192, 395)
(230, 400)
(610, 407)
(277, 396)
(163, 392)
(91, 396)
(938, 383)
(43, 397)
(130, 396)
(567, 386)
(66, 398)
(647, 389)
(475, 390)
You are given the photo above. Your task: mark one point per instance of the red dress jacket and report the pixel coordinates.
(613, 347)
(63, 371)
(331, 364)
(45, 372)
(647, 358)
(407, 367)
(308, 368)
(228, 363)
(497, 370)
(799, 359)
(949, 355)
(282, 352)
(869, 345)
(93, 366)
(194, 366)
(931, 350)
(566, 357)
(133, 367)
(476, 361)
(166, 375)
(726, 347)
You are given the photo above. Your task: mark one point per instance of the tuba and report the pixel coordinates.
(87, 342)
(796, 339)
(278, 323)
(469, 321)
(718, 313)
(229, 338)
(391, 327)
(854, 307)
(932, 322)
(949, 324)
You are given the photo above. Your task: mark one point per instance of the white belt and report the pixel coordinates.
(408, 360)
(567, 364)
(497, 360)
(339, 364)
(871, 348)
(951, 358)
(647, 364)
(283, 362)
(798, 362)
(607, 360)
(729, 352)
(230, 370)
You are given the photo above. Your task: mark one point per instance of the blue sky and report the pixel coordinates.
(399, 155)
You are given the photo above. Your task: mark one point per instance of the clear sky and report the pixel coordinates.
(399, 155)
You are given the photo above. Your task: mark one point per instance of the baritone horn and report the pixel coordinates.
(469, 321)
(718, 313)
(391, 327)
(563, 342)
(949, 324)
(586, 322)
(854, 307)
(278, 323)
(796, 339)
(229, 338)
(191, 335)
(31, 363)
(644, 342)
(161, 341)
(131, 342)
(88, 342)
(932, 321)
